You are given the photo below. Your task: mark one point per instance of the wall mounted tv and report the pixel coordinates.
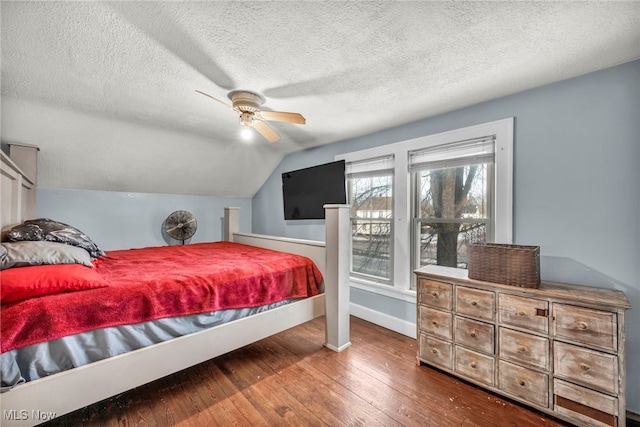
(306, 191)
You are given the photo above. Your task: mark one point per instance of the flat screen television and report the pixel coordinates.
(306, 191)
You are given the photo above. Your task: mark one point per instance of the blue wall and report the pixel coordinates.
(576, 186)
(117, 220)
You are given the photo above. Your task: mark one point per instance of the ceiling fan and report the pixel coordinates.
(247, 104)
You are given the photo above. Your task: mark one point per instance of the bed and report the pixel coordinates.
(38, 399)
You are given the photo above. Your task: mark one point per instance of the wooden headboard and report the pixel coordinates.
(18, 190)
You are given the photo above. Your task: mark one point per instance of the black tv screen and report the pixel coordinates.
(306, 191)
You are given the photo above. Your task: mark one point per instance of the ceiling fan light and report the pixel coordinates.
(246, 133)
(246, 119)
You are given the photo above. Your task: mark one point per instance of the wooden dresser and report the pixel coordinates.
(559, 348)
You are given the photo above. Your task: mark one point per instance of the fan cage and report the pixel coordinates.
(181, 225)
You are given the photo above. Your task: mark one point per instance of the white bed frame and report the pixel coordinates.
(40, 400)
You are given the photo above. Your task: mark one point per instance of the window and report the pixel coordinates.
(370, 194)
(452, 192)
(422, 201)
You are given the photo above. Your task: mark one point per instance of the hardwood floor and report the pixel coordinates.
(291, 379)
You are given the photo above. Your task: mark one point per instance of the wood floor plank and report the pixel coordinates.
(252, 380)
(293, 410)
(382, 396)
(291, 379)
(233, 405)
(340, 400)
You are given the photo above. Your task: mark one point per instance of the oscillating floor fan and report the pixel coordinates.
(180, 225)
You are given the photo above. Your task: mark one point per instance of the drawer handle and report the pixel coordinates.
(584, 367)
(434, 323)
(474, 303)
(473, 365)
(434, 351)
(521, 313)
(522, 349)
(582, 326)
(473, 334)
(522, 383)
(434, 294)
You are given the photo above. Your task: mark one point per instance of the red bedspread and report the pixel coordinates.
(153, 283)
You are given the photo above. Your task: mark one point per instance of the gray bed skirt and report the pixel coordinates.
(40, 360)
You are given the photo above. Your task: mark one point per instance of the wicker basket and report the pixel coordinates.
(515, 265)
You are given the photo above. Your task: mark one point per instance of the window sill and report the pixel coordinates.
(407, 295)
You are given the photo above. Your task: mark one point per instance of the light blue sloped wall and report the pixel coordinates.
(123, 220)
(576, 186)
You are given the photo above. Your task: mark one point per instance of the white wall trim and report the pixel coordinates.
(389, 322)
(383, 289)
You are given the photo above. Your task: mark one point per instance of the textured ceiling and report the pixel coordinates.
(351, 68)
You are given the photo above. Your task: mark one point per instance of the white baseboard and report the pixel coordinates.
(393, 323)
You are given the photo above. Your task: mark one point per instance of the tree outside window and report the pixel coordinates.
(452, 211)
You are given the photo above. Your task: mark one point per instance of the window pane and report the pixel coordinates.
(371, 212)
(371, 197)
(371, 247)
(463, 234)
(453, 206)
(460, 192)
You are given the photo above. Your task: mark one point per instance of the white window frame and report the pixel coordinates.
(502, 202)
(385, 171)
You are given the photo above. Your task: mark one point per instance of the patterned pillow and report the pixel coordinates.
(53, 231)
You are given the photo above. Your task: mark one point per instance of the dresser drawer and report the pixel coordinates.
(584, 366)
(526, 313)
(474, 365)
(584, 325)
(436, 322)
(474, 334)
(524, 349)
(475, 303)
(589, 406)
(524, 383)
(435, 351)
(435, 294)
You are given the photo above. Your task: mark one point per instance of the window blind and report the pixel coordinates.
(370, 167)
(459, 153)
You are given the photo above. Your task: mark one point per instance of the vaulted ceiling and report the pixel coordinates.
(124, 75)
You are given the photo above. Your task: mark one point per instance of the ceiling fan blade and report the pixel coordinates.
(266, 131)
(281, 116)
(215, 99)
